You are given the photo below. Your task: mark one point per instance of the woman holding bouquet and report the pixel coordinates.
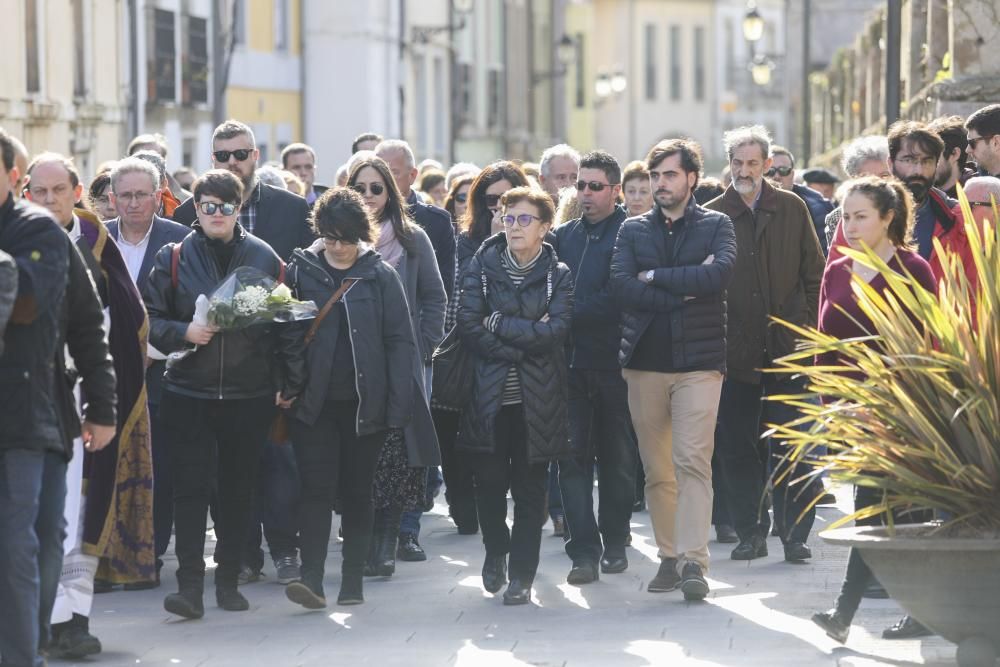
(401, 476)
(218, 399)
(360, 387)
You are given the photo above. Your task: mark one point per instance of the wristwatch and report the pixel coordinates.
(649, 276)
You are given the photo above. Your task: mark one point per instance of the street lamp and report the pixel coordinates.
(423, 34)
(760, 70)
(565, 54)
(607, 85)
(753, 23)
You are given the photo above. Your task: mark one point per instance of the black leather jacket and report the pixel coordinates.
(28, 414)
(246, 363)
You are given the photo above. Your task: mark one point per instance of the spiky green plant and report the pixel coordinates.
(924, 425)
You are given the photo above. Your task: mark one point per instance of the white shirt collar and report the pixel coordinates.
(142, 242)
(74, 229)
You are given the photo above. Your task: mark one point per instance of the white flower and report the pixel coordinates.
(282, 292)
(250, 300)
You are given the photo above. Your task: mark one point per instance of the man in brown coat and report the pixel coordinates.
(779, 266)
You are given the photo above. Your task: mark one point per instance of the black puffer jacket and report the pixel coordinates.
(382, 340)
(521, 339)
(246, 363)
(697, 326)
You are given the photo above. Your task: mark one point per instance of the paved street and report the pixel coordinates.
(436, 613)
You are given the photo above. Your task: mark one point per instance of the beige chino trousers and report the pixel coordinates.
(674, 417)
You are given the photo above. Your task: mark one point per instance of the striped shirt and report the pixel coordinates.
(517, 273)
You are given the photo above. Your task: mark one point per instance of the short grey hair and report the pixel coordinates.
(392, 146)
(134, 165)
(231, 128)
(990, 184)
(748, 134)
(154, 159)
(861, 150)
(552, 152)
(272, 176)
(459, 169)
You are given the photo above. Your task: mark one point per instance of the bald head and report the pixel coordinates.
(983, 192)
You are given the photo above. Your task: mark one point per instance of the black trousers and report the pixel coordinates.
(335, 463)
(213, 445)
(507, 467)
(460, 491)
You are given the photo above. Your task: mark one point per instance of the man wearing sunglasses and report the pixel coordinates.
(782, 171)
(274, 215)
(984, 139)
(600, 426)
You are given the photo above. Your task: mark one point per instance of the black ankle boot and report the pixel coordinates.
(187, 603)
(385, 562)
(230, 599)
(351, 589)
(73, 640)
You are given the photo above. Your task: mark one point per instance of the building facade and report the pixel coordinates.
(59, 87)
(265, 76)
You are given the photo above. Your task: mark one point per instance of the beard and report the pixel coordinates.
(918, 187)
(665, 199)
(744, 186)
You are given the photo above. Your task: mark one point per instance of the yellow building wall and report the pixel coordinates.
(260, 31)
(260, 107)
(580, 129)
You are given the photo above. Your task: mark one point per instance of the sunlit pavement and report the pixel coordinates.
(437, 613)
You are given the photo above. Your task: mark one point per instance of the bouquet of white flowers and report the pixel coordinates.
(248, 296)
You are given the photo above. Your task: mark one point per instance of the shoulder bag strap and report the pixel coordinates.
(327, 307)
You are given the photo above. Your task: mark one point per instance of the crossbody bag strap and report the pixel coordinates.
(327, 307)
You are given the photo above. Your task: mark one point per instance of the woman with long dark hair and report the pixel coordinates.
(401, 477)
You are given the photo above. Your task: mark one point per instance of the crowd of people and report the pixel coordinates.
(516, 328)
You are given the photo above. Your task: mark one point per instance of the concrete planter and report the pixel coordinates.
(952, 586)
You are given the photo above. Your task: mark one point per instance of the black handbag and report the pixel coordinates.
(454, 368)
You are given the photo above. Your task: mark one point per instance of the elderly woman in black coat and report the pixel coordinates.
(514, 316)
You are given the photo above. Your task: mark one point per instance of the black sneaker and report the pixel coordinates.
(666, 578)
(834, 625)
(693, 583)
(231, 599)
(582, 573)
(301, 594)
(750, 548)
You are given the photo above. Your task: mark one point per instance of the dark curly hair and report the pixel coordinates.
(340, 213)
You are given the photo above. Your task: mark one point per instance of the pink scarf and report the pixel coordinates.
(388, 245)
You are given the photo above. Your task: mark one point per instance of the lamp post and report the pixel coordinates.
(753, 23)
(607, 84)
(565, 54)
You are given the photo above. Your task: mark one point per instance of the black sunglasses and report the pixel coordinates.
(362, 189)
(974, 140)
(595, 186)
(241, 154)
(210, 207)
(462, 197)
(780, 171)
(492, 200)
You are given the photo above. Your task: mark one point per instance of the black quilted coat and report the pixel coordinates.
(522, 339)
(697, 325)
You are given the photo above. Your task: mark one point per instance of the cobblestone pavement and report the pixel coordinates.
(437, 613)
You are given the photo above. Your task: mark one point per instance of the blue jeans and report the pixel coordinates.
(600, 428)
(32, 526)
